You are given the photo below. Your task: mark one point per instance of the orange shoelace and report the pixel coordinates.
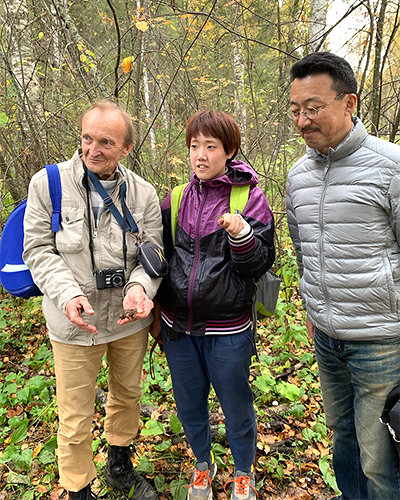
(200, 479)
(242, 484)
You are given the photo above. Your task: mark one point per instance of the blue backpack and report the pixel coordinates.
(15, 276)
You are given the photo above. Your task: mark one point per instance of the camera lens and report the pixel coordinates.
(117, 280)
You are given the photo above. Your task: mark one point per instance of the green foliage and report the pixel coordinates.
(26, 398)
(327, 473)
(297, 410)
(274, 466)
(221, 455)
(177, 489)
(285, 380)
(152, 428)
(175, 423)
(160, 483)
(3, 119)
(144, 466)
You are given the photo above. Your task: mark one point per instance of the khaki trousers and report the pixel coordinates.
(76, 369)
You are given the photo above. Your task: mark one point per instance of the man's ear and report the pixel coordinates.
(127, 149)
(351, 103)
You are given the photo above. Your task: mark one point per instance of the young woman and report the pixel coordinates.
(206, 298)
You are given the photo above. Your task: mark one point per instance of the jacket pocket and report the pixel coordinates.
(132, 239)
(390, 285)
(69, 237)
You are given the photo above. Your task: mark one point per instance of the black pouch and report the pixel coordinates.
(153, 260)
(391, 415)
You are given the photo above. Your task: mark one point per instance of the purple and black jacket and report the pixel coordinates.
(210, 284)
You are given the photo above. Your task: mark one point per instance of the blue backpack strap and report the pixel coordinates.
(53, 176)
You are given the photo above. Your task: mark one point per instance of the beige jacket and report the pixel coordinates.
(60, 262)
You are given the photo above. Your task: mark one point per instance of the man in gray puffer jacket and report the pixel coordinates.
(343, 205)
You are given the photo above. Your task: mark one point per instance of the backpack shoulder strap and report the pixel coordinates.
(238, 199)
(176, 197)
(53, 176)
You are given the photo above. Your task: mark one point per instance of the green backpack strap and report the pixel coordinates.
(176, 197)
(238, 199)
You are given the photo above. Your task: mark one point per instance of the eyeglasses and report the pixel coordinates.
(312, 113)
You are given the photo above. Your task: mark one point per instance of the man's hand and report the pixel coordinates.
(136, 298)
(73, 311)
(233, 223)
(310, 327)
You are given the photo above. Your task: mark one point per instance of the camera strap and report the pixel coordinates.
(126, 221)
(90, 229)
(108, 203)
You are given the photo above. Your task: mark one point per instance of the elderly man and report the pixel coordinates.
(89, 274)
(343, 205)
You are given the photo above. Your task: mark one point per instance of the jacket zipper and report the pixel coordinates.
(321, 249)
(196, 260)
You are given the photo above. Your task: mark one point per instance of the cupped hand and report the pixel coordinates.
(73, 311)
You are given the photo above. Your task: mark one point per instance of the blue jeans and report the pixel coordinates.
(356, 377)
(223, 361)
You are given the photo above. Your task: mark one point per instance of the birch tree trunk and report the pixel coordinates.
(149, 107)
(18, 58)
(239, 74)
(378, 69)
(318, 12)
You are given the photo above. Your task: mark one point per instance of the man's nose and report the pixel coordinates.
(303, 120)
(94, 149)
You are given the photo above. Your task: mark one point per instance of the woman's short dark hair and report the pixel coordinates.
(336, 67)
(215, 124)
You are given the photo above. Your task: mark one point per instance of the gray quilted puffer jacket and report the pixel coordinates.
(344, 219)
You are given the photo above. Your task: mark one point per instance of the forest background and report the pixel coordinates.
(162, 61)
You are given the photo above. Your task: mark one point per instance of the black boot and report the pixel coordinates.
(120, 474)
(83, 494)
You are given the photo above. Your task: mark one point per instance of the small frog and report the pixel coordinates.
(129, 313)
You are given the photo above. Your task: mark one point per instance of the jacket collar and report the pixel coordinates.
(350, 143)
(79, 172)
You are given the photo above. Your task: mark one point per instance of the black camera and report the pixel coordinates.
(110, 278)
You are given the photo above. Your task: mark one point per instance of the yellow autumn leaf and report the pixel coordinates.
(37, 450)
(127, 64)
(142, 26)
(83, 58)
(40, 35)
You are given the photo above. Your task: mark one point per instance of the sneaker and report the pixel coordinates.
(200, 485)
(243, 486)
